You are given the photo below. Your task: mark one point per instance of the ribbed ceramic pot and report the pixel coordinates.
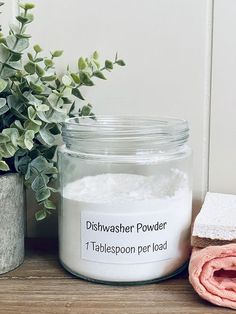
(11, 222)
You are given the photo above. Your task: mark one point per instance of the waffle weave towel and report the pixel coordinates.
(212, 273)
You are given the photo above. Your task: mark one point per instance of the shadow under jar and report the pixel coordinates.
(126, 198)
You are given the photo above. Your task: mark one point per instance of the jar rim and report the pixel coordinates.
(123, 123)
(137, 130)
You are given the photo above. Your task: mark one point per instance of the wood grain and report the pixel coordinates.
(40, 285)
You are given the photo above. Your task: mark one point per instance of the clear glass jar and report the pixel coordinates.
(126, 199)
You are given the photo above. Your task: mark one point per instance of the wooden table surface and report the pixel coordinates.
(40, 285)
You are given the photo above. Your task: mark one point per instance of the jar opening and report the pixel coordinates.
(107, 134)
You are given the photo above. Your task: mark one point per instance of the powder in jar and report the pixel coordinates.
(113, 222)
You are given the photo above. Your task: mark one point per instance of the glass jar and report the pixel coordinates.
(126, 199)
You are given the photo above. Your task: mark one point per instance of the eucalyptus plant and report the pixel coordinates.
(34, 101)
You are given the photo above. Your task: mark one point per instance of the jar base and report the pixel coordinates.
(126, 283)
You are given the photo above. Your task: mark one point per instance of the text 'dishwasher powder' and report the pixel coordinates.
(125, 227)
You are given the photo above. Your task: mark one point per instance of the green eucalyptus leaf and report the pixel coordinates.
(85, 79)
(30, 125)
(28, 139)
(75, 78)
(22, 44)
(4, 53)
(95, 55)
(40, 214)
(14, 28)
(38, 183)
(47, 136)
(67, 93)
(40, 163)
(3, 85)
(4, 166)
(27, 6)
(17, 44)
(16, 65)
(25, 19)
(58, 117)
(11, 41)
(86, 110)
(2, 102)
(18, 125)
(99, 74)
(22, 164)
(66, 80)
(48, 62)
(82, 64)
(4, 110)
(12, 101)
(31, 99)
(48, 78)
(15, 56)
(10, 149)
(97, 64)
(52, 170)
(4, 138)
(36, 88)
(76, 92)
(49, 204)
(8, 72)
(57, 53)
(3, 152)
(43, 194)
(30, 68)
(24, 36)
(31, 113)
(39, 71)
(19, 94)
(12, 134)
(54, 100)
(42, 107)
(28, 171)
(37, 49)
(108, 64)
(43, 115)
(67, 100)
(120, 62)
(30, 56)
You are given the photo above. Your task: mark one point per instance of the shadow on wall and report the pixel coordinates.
(197, 204)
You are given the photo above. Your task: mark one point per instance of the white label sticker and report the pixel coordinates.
(130, 238)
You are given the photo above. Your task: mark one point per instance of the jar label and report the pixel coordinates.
(133, 238)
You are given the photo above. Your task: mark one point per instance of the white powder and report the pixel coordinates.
(109, 187)
(125, 227)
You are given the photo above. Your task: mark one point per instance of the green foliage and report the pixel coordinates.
(34, 102)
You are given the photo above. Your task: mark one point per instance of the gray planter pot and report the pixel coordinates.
(11, 222)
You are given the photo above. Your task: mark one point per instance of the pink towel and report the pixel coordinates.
(212, 273)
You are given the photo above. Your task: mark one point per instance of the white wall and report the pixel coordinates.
(167, 47)
(8, 12)
(223, 105)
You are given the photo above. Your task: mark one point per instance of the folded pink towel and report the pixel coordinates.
(212, 273)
